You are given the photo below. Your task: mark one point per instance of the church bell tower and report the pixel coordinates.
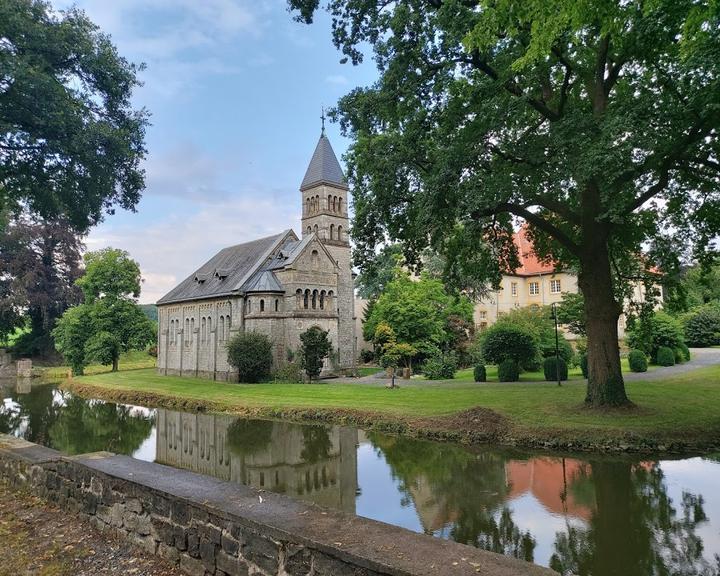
(325, 213)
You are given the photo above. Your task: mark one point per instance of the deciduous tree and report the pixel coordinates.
(596, 123)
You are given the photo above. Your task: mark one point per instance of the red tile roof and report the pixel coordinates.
(529, 263)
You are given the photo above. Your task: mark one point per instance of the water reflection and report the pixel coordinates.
(590, 517)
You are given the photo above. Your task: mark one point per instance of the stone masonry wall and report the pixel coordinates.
(210, 527)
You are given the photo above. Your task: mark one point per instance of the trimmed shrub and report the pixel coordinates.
(501, 343)
(665, 356)
(638, 361)
(440, 366)
(679, 355)
(584, 365)
(314, 348)
(508, 371)
(479, 373)
(685, 351)
(250, 353)
(702, 326)
(553, 365)
(291, 372)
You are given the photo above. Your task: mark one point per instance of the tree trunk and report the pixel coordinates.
(605, 382)
(116, 360)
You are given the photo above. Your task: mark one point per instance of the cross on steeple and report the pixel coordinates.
(322, 118)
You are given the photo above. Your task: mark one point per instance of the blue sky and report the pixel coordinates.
(235, 89)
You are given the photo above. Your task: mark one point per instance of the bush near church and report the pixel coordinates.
(508, 371)
(637, 361)
(314, 348)
(665, 356)
(552, 366)
(702, 326)
(250, 353)
(501, 343)
(440, 366)
(479, 373)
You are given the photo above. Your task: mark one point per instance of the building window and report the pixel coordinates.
(187, 331)
(227, 328)
(315, 260)
(554, 286)
(339, 233)
(314, 299)
(482, 314)
(262, 305)
(222, 328)
(277, 304)
(203, 328)
(306, 299)
(192, 330)
(513, 289)
(209, 327)
(534, 288)
(339, 204)
(322, 300)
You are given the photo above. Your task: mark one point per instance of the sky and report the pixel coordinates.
(235, 90)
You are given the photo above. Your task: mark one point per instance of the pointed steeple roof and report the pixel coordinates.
(324, 167)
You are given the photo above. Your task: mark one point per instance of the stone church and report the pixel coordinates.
(280, 285)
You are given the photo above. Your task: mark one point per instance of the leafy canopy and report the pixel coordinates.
(315, 346)
(250, 353)
(71, 143)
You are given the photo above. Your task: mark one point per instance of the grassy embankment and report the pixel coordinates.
(676, 412)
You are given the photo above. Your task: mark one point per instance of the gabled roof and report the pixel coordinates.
(530, 265)
(263, 281)
(324, 167)
(229, 271)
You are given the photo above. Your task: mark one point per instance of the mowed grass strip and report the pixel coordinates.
(674, 406)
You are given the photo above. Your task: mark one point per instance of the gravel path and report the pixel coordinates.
(40, 539)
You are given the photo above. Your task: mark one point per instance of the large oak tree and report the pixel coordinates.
(71, 141)
(595, 123)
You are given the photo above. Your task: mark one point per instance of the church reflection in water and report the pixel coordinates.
(315, 463)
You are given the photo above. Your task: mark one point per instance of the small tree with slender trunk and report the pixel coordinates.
(314, 348)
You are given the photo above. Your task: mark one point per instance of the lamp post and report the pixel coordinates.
(557, 343)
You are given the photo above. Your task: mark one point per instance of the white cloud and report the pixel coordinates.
(179, 243)
(337, 79)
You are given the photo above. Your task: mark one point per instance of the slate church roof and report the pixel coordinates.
(233, 270)
(324, 167)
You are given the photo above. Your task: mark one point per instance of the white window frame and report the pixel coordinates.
(534, 288)
(513, 289)
(553, 283)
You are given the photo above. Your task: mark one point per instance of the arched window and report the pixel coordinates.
(203, 328)
(262, 305)
(314, 299)
(315, 229)
(187, 330)
(277, 304)
(248, 306)
(339, 234)
(314, 259)
(330, 204)
(227, 327)
(330, 300)
(305, 300)
(298, 298)
(209, 329)
(332, 231)
(322, 300)
(339, 205)
(335, 203)
(317, 202)
(222, 328)
(192, 330)
(171, 332)
(307, 206)
(309, 230)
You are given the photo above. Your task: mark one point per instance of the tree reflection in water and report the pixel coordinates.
(454, 487)
(635, 528)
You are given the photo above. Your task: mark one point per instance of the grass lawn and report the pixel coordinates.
(678, 407)
(132, 360)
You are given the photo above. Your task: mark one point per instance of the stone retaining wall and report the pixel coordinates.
(211, 527)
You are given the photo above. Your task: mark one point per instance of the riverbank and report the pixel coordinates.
(675, 414)
(39, 538)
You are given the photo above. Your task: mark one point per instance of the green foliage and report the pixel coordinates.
(585, 120)
(40, 261)
(686, 352)
(314, 348)
(584, 365)
(398, 353)
(290, 372)
(571, 312)
(479, 373)
(102, 347)
(665, 356)
(71, 142)
(109, 273)
(508, 371)
(653, 331)
(697, 286)
(552, 366)
(250, 353)
(418, 312)
(501, 342)
(702, 326)
(379, 272)
(367, 356)
(150, 311)
(440, 366)
(71, 333)
(638, 361)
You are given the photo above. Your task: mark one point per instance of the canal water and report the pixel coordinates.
(584, 515)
